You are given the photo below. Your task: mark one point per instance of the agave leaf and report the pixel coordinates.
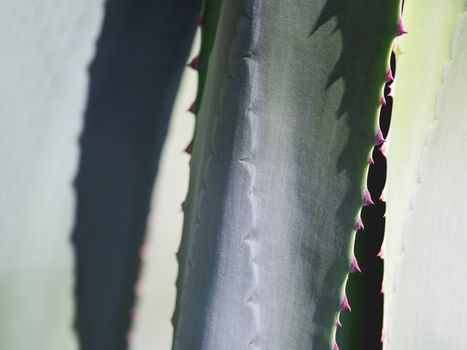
(134, 77)
(46, 47)
(209, 22)
(425, 239)
(208, 25)
(286, 126)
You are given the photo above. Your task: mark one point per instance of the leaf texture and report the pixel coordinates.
(426, 186)
(286, 126)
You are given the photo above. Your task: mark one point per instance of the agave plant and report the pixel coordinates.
(286, 127)
(292, 111)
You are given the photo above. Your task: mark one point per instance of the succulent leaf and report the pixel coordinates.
(285, 129)
(426, 187)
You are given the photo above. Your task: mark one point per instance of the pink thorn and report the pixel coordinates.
(389, 76)
(382, 101)
(183, 205)
(379, 137)
(400, 28)
(129, 337)
(345, 306)
(192, 108)
(354, 266)
(383, 149)
(367, 199)
(359, 225)
(143, 253)
(194, 63)
(382, 336)
(338, 322)
(382, 197)
(199, 21)
(392, 89)
(335, 347)
(382, 287)
(380, 253)
(138, 289)
(188, 149)
(370, 160)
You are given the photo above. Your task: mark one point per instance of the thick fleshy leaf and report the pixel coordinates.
(286, 126)
(208, 26)
(425, 239)
(141, 54)
(209, 22)
(46, 47)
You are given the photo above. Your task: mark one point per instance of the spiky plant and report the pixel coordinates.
(287, 118)
(284, 135)
(133, 78)
(283, 140)
(425, 239)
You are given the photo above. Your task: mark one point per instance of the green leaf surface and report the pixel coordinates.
(425, 238)
(46, 47)
(209, 23)
(286, 126)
